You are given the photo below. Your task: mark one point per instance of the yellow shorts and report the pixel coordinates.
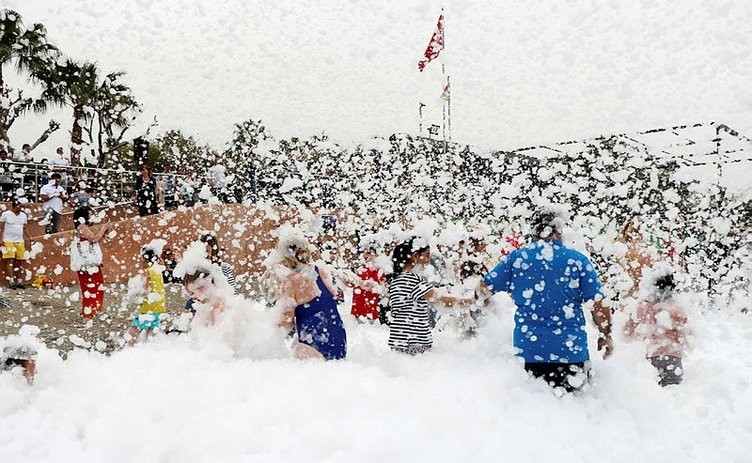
(13, 250)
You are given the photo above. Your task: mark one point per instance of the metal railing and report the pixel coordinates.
(24, 179)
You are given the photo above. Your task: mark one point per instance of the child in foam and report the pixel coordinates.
(305, 293)
(214, 252)
(148, 318)
(661, 322)
(200, 283)
(17, 353)
(368, 287)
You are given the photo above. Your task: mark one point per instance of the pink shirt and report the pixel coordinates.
(662, 326)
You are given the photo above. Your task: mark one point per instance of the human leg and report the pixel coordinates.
(670, 369)
(304, 351)
(20, 250)
(47, 220)
(568, 376)
(98, 279)
(55, 226)
(414, 349)
(9, 271)
(90, 300)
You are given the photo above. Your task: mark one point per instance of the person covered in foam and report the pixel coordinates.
(19, 354)
(661, 323)
(204, 283)
(304, 292)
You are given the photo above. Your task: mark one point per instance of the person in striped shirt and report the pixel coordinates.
(410, 296)
(213, 252)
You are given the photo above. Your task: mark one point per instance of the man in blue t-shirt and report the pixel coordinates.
(549, 282)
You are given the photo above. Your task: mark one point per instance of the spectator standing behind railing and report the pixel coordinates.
(217, 177)
(53, 196)
(60, 165)
(81, 197)
(6, 181)
(25, 154)
(146, 193)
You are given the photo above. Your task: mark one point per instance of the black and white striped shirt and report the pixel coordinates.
(410, 324)
(229, 275)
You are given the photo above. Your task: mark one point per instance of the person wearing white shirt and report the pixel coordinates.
(24, 155)
(217, 176)
(60, 165)
(53, 196)
(16, 241)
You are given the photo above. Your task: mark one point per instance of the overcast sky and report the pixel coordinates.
(523, 72)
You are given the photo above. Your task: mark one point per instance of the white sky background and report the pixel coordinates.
(522, 72)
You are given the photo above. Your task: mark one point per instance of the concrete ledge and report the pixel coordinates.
(244, 232)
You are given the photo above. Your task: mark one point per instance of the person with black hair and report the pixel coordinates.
(16, 241)
(53, 195)
(201, 287)
(148, 317)
(90, 277)
(214, 251)
(549, 282)
(146, 193)
(661, 323)
(410, 296)
(18, 353)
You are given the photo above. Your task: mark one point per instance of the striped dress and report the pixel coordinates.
(410, 326)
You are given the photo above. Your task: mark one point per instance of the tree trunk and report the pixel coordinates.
(53, 126)
(3, 111)
(77, 131)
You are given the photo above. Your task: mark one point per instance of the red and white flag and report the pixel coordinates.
(434, 46)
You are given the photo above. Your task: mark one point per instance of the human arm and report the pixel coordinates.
(45, 194)
(602, 318)
(447, 300)
(93, 236)
(326, 277)
(630, 327)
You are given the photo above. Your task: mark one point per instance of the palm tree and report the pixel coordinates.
(72, 84)
(29, 50)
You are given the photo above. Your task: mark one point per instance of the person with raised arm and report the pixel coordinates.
(90, 275)
(304, 291)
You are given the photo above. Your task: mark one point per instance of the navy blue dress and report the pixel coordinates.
(319, 325)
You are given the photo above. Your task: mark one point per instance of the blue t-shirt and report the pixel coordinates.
(548, 282)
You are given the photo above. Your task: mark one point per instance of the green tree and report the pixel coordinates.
(252, 171)
(174, 151)
(115, 109)
(103, 110)
(29, 51)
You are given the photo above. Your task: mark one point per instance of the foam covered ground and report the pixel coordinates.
(233, 394)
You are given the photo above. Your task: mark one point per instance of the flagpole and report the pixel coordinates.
(443, 74)
(420, 116)
(443, 118)
(449, 108)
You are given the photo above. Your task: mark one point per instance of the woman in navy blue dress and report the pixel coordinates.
(306, 295)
